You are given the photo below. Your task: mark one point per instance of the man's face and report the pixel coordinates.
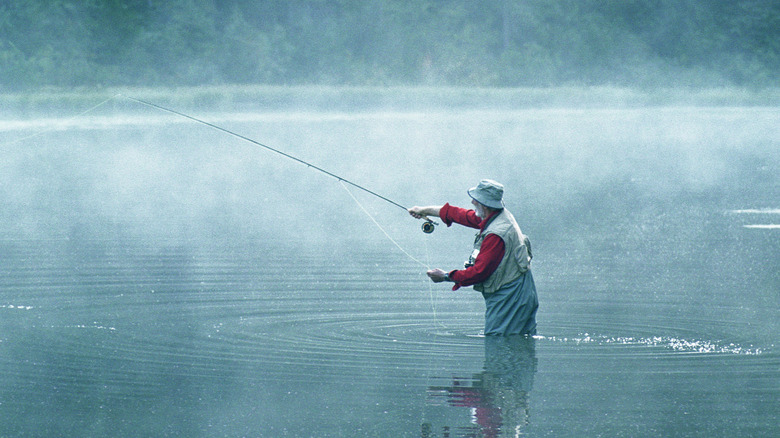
(479, 209)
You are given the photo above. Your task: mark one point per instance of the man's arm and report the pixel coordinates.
(490, 255)
(449, 214)
(420, 212)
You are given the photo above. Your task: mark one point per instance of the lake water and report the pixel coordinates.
(161, 278)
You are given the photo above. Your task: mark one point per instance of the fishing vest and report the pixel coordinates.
(517, 252)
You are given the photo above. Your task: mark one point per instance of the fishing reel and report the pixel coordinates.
(428, 226)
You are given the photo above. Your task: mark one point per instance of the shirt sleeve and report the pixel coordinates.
(490, 255)
(450, 214)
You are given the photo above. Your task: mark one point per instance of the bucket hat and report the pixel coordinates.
(488, 193)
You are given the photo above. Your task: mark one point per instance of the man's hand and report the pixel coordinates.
(417, 212)
(437, 275)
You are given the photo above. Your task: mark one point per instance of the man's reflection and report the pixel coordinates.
(498, 396)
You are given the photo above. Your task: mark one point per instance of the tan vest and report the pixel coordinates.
(517, 252)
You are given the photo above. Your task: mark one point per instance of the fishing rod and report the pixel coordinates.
(427, 226)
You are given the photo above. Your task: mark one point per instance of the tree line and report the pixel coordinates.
(498, 43)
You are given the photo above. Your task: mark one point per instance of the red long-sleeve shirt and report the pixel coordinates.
(490, 253)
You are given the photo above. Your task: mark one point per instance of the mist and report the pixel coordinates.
(163, 170)
(163, 277)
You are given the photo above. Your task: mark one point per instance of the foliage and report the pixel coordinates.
(66, 43)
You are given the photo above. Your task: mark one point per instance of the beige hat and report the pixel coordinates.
(488, 193)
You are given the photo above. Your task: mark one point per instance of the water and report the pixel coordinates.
(163, 279)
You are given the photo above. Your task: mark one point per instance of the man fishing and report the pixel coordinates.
(498, 266)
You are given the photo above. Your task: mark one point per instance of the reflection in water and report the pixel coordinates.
(498, 396)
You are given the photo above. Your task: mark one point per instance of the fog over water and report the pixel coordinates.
(165, 277)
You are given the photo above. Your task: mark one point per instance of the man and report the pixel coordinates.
(498, 266)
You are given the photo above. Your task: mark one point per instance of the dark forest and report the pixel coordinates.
(501, 43)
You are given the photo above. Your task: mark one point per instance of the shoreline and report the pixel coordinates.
(257, 97)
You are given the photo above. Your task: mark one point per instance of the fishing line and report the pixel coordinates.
(426, 427)
(380, 227)
(430, 290)
(427, 226)
(66, 120)
(425, 424)
(427, 254)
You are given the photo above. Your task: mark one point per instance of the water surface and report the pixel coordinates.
(160, 278)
